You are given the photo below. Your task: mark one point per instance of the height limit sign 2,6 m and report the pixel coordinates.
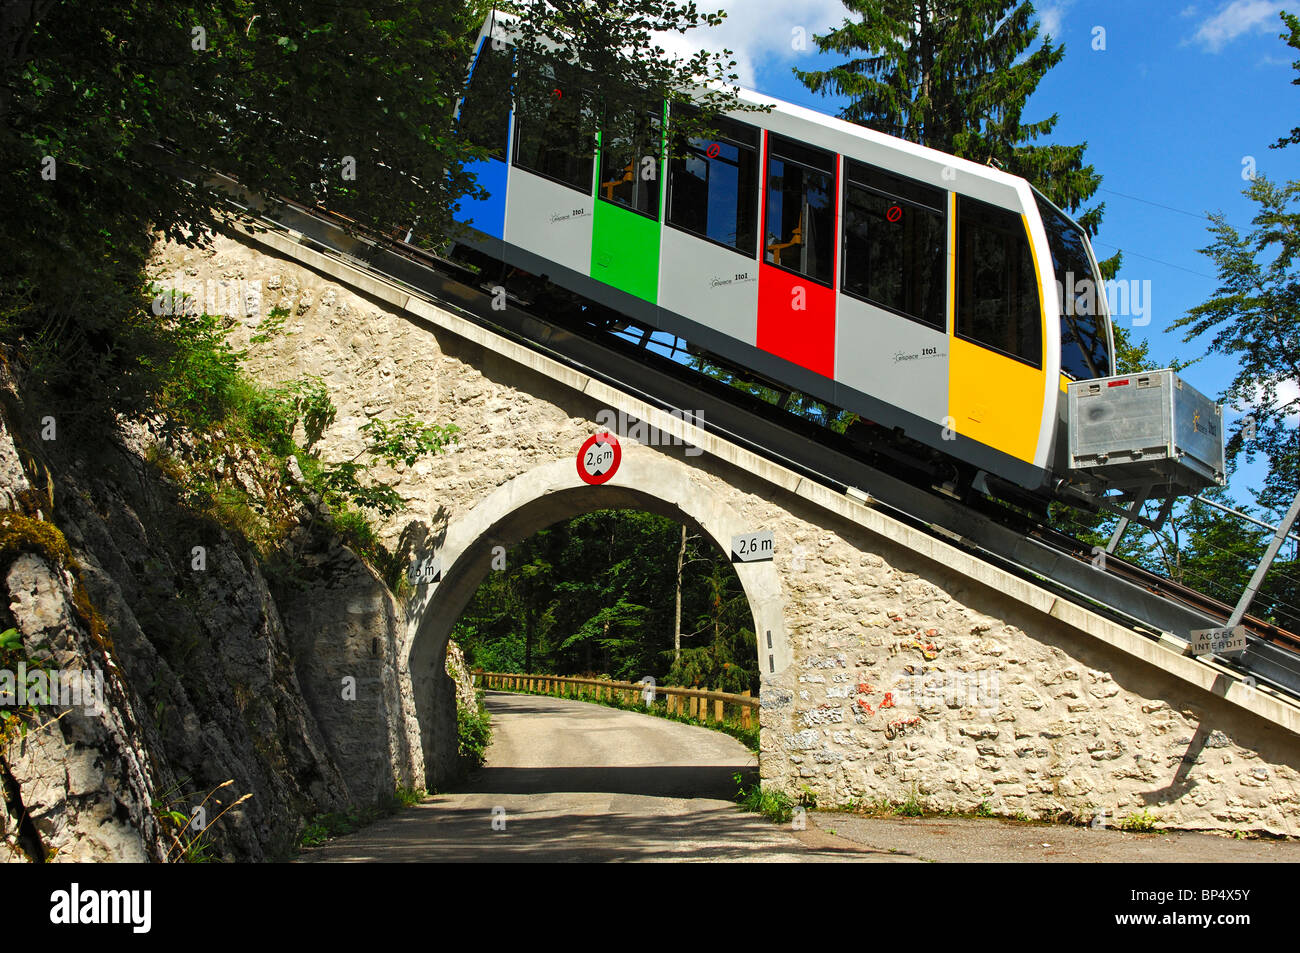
(598, 458)
(752, 547)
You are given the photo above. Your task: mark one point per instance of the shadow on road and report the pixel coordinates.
(687, 781)
(443, 830)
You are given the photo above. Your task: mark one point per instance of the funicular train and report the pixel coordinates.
(932, 296)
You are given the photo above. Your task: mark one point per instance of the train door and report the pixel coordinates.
(796, 280)
(996, 373)
(708, 249)
(549, 204)
(629, 203)
(892, 315)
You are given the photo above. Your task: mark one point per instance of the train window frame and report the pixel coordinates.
(724, 124)
(906, 191)
(810, 158)
(655, 123)
(1047, 210)
(486, 50)
(1021, 231)
(576, 88)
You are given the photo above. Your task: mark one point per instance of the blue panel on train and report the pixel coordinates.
(488, 215)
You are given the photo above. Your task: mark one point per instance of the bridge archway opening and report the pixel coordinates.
(521, 509)
(615, 594)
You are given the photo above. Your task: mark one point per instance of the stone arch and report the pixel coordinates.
(541, 497)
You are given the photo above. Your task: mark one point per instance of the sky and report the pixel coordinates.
(1175, 101)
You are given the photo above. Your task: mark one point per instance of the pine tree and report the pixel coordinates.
(955, 75)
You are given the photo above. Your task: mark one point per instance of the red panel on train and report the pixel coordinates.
(796, 319)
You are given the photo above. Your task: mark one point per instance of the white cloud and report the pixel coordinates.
(760, 33)
(1052, 16)
(1238, 17)
(1288, 394)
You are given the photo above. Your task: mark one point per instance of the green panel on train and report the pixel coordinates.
(625, 251)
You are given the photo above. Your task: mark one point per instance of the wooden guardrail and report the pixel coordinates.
(694, 702)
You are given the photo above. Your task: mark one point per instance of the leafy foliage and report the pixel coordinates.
(474, 733)
(1254, 318)
(597, 594)
(611, 71)
(772, 803)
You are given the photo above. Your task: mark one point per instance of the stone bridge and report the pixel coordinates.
(893, 663)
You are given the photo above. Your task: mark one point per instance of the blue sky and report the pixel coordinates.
(1170, 109)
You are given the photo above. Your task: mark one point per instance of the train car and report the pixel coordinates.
(923, 292)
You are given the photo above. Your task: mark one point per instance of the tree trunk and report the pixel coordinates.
(677, 624)
(528, 644)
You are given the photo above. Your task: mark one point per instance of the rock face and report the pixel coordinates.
(906, 676)
(294, 693)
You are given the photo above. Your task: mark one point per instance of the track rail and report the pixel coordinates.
(1126, 593)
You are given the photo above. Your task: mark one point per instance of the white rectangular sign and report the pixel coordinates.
(1226, 642)
(752, 547)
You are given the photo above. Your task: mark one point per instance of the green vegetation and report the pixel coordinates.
(474, 731)
(598, 594)
(773, 804)
(218, 414)
(409, 797)
(325, 827)
(1143, 822)
(912, 806)
(183, 823)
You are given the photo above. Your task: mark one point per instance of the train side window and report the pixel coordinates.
(548, 130)
(713, 185)
(629, 162)
(997, 289)
(800, 226)
(484, 115)
(895, 231)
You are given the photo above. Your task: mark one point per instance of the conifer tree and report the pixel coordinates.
(955, 75)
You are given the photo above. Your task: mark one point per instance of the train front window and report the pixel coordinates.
(484, 116)
(997, 288)
(712, 186)
(894, 235)
(629, 161)
(549, 128)
(800, 226)
(1085, 345)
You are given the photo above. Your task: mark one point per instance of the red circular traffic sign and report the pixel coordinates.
(598, 458)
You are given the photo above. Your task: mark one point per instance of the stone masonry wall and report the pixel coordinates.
(908, 677)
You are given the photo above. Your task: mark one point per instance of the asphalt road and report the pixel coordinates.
(582, 782)
(574, 781)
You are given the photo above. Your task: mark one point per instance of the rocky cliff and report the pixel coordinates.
(258, 702)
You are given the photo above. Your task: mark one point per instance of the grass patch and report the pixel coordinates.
(775, 805)
(1143, 822)
(325, 827)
